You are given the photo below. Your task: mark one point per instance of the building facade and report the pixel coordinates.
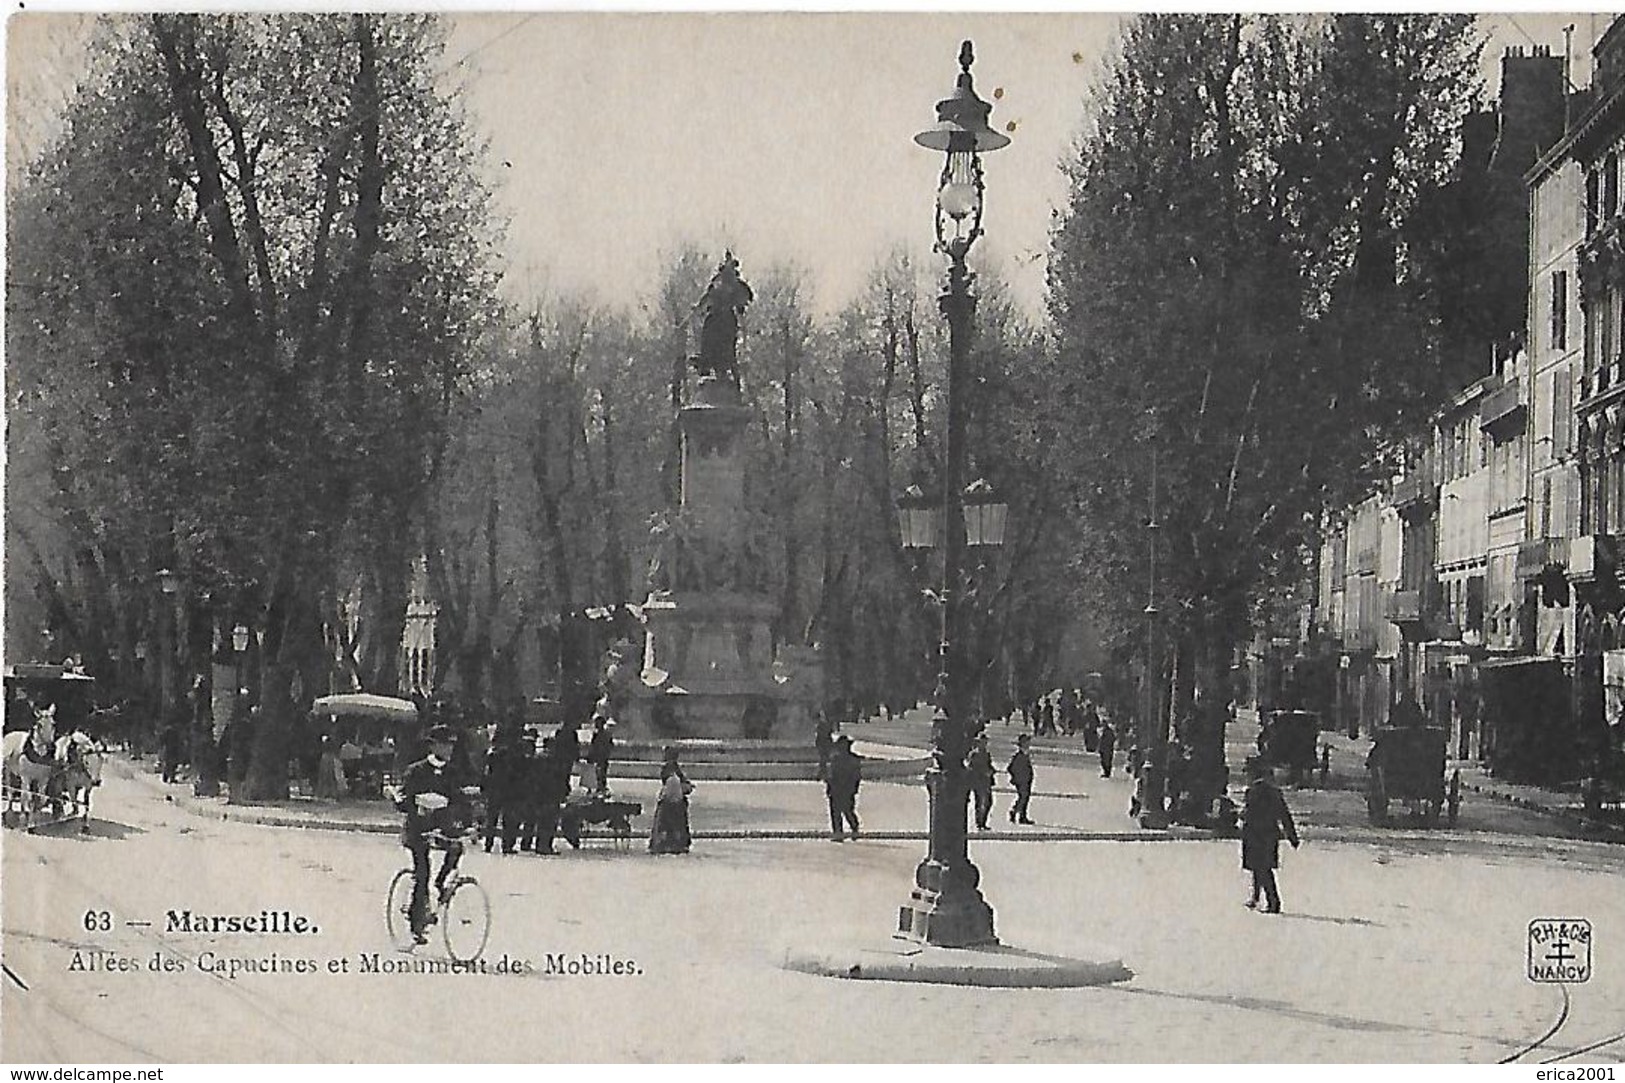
(1456, 574)
(1596, 144)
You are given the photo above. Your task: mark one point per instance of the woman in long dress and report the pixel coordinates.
(670, 833)
(329, 772)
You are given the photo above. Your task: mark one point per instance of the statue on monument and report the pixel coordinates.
(719, 310)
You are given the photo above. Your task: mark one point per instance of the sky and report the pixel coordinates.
(614, 138)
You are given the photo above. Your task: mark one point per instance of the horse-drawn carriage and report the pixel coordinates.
(1406, 764)
(50, 763)
(1290, 739)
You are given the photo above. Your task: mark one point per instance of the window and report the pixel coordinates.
(1591, 203)
(1562, 412)
(1475, 603)
(1610, 187)
(1560, 310)
(1543, 528)
(1605, 341)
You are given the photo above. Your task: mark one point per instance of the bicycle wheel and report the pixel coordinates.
(465, 920)
(398, 910)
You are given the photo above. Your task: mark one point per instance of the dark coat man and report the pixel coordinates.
(600, 750)
(824, 741)
(174, 749)
(844, 776)
(1265, 820)
(552, 776)
(1021, 777)
(431, 796)
(504, 779)
(567, 744)
(1107, 744)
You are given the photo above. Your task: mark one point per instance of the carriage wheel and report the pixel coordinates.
(465, 920)
(622, 829)
(398, 910)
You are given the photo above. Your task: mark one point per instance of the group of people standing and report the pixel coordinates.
(1065, 712)
(529, 777)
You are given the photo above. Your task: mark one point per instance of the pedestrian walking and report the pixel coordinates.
(174, 742)
(841, 784)
(824, 741)
(1106, 742)
(1265, 820)
(980, 766)
(670, 832)
(1020, 771)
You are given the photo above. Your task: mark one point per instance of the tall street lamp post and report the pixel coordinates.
(169, 584)
(946, 907)
(1154, 737)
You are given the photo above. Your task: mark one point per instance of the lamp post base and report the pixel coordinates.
(946, 908)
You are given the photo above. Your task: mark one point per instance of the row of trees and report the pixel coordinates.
(253, 336)
(563, 462)
(254, 340)
(245, 290)
(1253, 286)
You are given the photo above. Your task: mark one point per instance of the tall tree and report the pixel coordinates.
(274, 259)
(1237, 219)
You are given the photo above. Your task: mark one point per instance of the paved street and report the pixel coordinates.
(1070, 775)
(1410, 949)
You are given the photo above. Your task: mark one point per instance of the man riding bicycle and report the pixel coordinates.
(437, 813)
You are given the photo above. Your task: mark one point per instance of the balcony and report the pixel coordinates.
(1534, 557)
(1503, 408)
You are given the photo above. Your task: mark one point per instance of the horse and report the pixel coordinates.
(79, 772)
(30, 763)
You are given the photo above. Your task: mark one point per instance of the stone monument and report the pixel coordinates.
(708, 667)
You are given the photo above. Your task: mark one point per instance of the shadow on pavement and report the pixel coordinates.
(1329, 920)
(1341, 1022)
(87, 832)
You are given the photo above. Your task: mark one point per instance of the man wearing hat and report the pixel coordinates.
(841, 783)
(1265, 819)
(979, 768)
(1021, 777)
(436, 810)
(599, 751)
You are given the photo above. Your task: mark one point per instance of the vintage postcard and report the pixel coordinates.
(661, 537)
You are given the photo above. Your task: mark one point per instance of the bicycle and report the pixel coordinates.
(461, 908)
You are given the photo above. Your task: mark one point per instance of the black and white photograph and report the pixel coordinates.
(825, 537)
